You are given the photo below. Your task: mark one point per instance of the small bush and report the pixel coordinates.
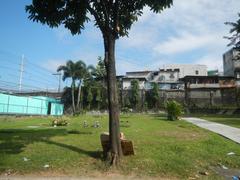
(126, 110)
(174, 110)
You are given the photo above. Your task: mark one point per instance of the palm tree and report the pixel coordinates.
(235, 31)
(84, 73)
(78, 71)
(70, 70)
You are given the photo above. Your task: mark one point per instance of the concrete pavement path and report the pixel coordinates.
(224, 130)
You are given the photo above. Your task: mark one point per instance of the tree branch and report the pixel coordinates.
(97, 18)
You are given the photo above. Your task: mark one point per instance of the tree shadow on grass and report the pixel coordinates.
(13, 141)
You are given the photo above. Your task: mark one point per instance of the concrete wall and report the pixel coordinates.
(202, 98)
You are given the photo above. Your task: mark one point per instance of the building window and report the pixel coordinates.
(197, 72)
(172, 76)
(161, 78)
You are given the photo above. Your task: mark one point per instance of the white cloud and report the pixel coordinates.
(53, 64)
(212, 61)
(188, 25)
(184, 43)
(125, 65)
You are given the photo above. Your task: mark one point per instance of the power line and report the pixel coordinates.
(26, 72)
(24, 85)
(33, 80)
(6, 67)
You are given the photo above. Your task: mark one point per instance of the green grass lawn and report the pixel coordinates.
(163, 148)
(231, 120)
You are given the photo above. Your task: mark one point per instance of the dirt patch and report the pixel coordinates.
(95, 176)
(81, 175)
(226, 173)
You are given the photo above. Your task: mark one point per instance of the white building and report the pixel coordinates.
(141, 76)
(167, 77)
(188, 69)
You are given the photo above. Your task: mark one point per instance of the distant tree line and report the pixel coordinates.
(88, 90)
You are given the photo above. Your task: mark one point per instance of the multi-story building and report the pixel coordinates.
(141, 76)
(231, 63)
(167, 78)
(188, 69)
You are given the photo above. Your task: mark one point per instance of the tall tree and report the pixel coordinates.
(70, 70)
(89, 97)
(78, 71)
(114, 18)
(98, 98)
(100, 73)
(134, 93)
(155, 94)
(85, 73)
(235, 33)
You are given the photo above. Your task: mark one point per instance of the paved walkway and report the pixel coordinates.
(224, 130)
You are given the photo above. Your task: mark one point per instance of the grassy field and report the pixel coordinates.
(231, 120)
(163, 148)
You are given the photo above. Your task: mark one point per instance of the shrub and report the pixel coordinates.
(126, 110)
(174, 110)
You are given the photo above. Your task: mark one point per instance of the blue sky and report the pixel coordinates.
(189, 32)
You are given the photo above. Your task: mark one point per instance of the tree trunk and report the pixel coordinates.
(79, 95)
(73, 99)
(115, 150)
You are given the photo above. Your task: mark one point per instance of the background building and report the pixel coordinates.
(188, 69)
(231, 63)
(167, 78)
(141, 76)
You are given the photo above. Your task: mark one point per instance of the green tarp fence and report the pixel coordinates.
(37, 105)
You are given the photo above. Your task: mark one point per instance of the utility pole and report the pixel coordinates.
(21, 73)
(59, 80)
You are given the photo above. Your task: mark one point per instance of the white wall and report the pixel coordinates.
(167, 76)
(188, 69)
(127, 84)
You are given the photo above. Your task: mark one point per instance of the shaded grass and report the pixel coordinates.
(163, 148)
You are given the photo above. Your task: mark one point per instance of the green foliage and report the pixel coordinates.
(152, 97)
(125, 110)
(115, 17)
(77, 71)
(98, 98)
(155, 94)
(174, 110)
(235, 31)
(127, 102)
(89, 98)
(100, 72)
(134, 99)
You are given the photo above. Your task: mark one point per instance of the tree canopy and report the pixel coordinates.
(112, 16)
